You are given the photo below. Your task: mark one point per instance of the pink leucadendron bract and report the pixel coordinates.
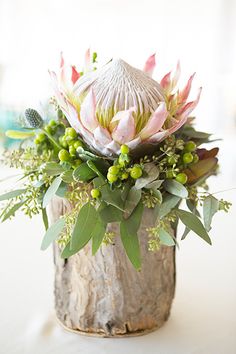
(118, 104)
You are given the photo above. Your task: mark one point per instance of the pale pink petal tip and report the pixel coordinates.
(87, 112)
(155, 122)
(125, 129)
(150, 64)
(75, 75)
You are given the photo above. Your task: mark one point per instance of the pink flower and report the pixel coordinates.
(118, 104)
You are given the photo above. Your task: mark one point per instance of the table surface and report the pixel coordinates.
(203, 316)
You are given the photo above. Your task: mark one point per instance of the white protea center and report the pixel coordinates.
(117, 87)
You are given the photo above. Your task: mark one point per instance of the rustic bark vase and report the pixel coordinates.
(103, 295)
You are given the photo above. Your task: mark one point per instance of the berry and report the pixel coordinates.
(124, 175)
(114, 170)
(190, 146)
(171, 160)
(95, 193)
(63, 142)
(52, 123)
(72, 150)
(49, 129)
(41, 137)
(187, 157)
(124, 149)
(195, 158)
(181, 178)
(36, 141)
(170, 174)
(77, 144)
(111, 178)
(136, 172)
(64, 155)
(70, 132)
(77, 162)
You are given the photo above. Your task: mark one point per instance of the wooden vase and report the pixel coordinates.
(103, 295)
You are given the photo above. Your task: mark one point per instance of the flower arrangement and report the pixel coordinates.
(121, 142)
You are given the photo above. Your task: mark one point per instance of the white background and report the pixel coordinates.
(202, 35)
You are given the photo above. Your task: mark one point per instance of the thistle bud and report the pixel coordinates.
(33, 118)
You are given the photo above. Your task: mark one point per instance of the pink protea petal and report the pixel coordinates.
(177, 126)
(165, 81)
(74, 74)
(87, 60)
(58, 94)
(125, 129)
(62, 70)
(183, 95)
(155, 122)
(155, 138)
(87, 112)
(176, 76)
(102, 135)
(134, 143)
(150, 65)
(189, 107)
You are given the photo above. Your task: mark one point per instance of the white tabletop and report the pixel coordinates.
(203, 317)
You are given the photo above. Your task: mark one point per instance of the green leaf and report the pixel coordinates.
(151, 173)
(52, 169)
(155, 184)
(185, 233)
(67, 176)
(83, 173)
(192, 207)
(51, 191)
(84, 226)
(132, 200)
(52, 233)
(12, 194)
(128, 231)
(110, 214)
(19, 134)
(169, 202)
(191, 132)
(193, 223)
(210, 207)
(112, 197)
(175, 188)
(67, 252)
(62, 190)
(87, 155)
(99, 167)
(11, 212)
(45, 218)
(165, 238)
(98, 235)
(158, 195)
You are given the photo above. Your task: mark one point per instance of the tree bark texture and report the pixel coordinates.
(104, 295)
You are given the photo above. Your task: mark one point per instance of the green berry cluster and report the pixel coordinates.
(178, 161)
(63, 141)
(121, 170)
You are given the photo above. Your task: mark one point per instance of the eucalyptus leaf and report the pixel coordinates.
(62, 190)
(84, 226)
(185, 233)
(132, 200)
(192, 207)
(193, 223)
(98, 235)
(165, 238)
(83, 173)
(110, 214)
(155, 184)
(45, 218)
(169, 202)
(210, 207)
(12, 194)
(52, 168)
(12, 211)
(67, 252)
(158, 195)
(151, 173)
(175, 188)
(52, 233)
(112, 197)
(67, 176)
(128, 232)
(86, 155)
(51, 191)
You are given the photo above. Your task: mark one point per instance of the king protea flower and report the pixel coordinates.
(118, 104)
